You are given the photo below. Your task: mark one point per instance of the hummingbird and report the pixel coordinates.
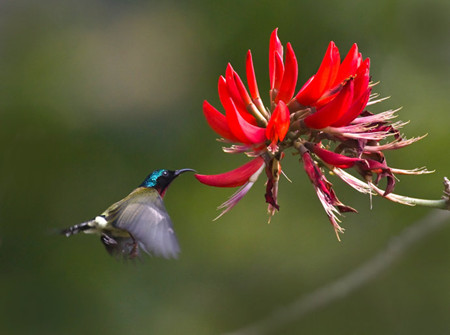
(137, 222)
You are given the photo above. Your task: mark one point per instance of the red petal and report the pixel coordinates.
(218, 122)
(334, 110)
(333, 158)
(233, 178)
(230, 108)
(353, 112)
(232, 88)
(304, 88)
(362, 78)
(349, 65)
(223, 89)
(242, 90)
(252, 85)
(329, 95)
(274, 46)
(312, 170)
(251, 78)
(224, 96)
(287, 87)
(361, 81)
(234, 93)
(243, 130)
(323, 79)
(279, 71)
(250, 105)
(278, 125)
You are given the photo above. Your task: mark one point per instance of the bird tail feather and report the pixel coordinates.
(78, 228)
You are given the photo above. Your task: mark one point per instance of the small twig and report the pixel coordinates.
(351, 281)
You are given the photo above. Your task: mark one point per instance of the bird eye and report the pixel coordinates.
(165, 173)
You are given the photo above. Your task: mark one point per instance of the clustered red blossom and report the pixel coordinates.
(326, 122)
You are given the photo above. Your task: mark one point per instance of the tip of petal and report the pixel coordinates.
(233, 178)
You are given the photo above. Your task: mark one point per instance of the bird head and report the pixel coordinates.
(161, 179)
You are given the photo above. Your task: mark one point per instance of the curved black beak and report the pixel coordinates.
(180, 171)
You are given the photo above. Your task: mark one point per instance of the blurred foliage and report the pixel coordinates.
(96, 94)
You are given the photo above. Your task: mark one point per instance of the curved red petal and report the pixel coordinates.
(252, 85)
(323, 79)
(233, 178)
(250, 105)
(333, 158)
(235, 94)
(223, 89)
(232, 88)
(334, 110)
(230, 109)
(279, 71)
(284, 120)
(274, 46)
(251, 78)
(287, 87)
(362, 78)
(242, 90)
(245, 131)
(354, 111)
(224, 96)
(279, 122)
(218, 122)
(349, 65)
(300, 94)
(329, 95)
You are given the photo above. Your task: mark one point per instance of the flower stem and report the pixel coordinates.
(443, 203)
(438, 204)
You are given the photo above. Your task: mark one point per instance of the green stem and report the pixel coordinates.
(439, 204)
(443, 203)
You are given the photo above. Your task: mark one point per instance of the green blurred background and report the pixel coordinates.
(96, 94)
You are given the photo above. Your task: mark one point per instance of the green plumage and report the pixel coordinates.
(137, 222)
(142, 215)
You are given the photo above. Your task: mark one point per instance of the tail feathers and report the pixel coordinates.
(75, 229)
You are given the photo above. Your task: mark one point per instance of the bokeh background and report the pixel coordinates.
(96, 94)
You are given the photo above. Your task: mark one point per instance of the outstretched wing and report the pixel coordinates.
(144, 216)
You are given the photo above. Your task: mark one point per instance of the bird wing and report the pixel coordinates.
(143, 214)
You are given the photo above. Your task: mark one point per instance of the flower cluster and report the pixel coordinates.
(326, 122)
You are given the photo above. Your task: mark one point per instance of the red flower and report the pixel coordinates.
(338, 92)
(246, 119)
(328, 111)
